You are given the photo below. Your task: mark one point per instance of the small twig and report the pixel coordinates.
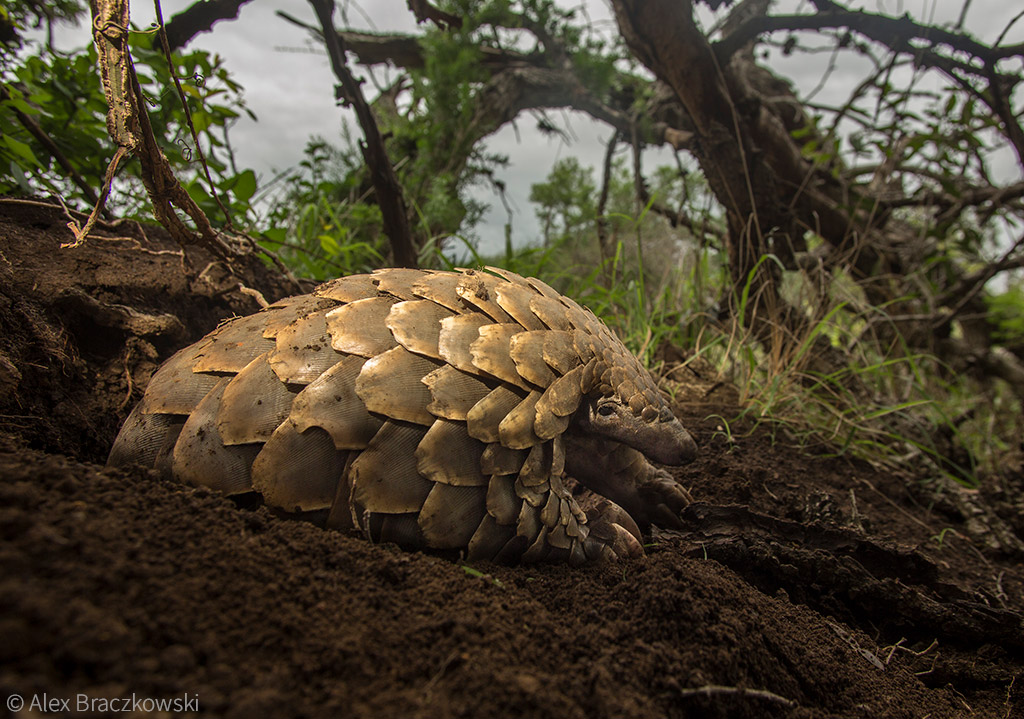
(899, 645)
(709, 690)
(449, 661)
(128, 379)
(255, 294)
(1000, 593)
(895, 506)
(82, 233)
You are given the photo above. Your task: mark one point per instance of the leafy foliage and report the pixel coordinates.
(60, 92)
(318, 224)
(1007, 310)
(566, 202)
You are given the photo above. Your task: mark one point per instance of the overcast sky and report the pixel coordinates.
(289, 85)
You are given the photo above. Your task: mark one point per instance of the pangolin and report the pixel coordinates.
(435, 410)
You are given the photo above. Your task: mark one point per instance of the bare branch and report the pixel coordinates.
(969, 287)
(968, 198)
(424, 11)
(389, 191)
(602, 202)
(894, 32)
(199, 18)
(900, 35)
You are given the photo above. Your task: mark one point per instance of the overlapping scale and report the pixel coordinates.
(440, 287)
(348, 289)
(515, 300)
(202, 459)
(391, 384)
(526, 350)
(479, 290)
(447, 454)
(331, 403)
(175, 388)
(233, 345)
(303, 350)
(456, 336)
(397, 281)
(283, 313)
(454, 392)
(490, 352)
(451, 515)
(358, 327)
(298, 471)
(146, 438)
(384, 476)
(416, 325)
(255, 403)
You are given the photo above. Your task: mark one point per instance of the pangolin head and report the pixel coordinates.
(622, 402)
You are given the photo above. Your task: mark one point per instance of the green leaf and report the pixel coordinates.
(201, 120)
(245, 186)
(22, 150)
(330, 244)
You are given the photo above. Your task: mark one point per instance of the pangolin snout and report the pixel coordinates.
(671, 444)
(662, 439)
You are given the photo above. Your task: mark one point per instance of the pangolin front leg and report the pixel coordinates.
(622, 474)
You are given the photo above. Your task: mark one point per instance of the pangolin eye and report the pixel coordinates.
(605, 410)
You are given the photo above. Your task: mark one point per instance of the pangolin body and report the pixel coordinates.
(437, 410)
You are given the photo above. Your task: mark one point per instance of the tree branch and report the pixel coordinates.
(602, 201)
(424, 11)
(199, 18)
(968, 288)
(899, 35)
(969, 198)
(519, 82)
(385, 183)
(890, 31)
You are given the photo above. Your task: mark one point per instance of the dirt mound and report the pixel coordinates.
(802, 586)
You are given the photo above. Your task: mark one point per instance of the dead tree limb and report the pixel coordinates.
(385, 182)
(199, 18)
(603, 241)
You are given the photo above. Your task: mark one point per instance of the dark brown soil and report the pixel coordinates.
(802, 587)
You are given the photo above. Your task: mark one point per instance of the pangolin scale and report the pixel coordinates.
(436, 410)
